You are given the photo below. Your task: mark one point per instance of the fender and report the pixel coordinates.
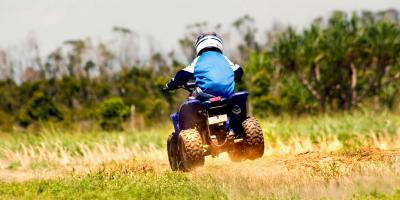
(188, 116)
(175, 120)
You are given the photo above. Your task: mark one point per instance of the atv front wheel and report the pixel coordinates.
(253, 139)
(172, 149)
(190, 149)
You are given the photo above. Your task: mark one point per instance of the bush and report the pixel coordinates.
(40, 108)
(113, 112)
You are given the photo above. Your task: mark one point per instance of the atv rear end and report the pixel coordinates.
(211, 127)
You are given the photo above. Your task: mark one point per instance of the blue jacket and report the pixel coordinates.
(213, 73)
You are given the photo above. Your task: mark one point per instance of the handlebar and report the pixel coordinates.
(189, 86)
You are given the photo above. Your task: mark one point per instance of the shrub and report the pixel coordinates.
(39, 108)
(113, 112)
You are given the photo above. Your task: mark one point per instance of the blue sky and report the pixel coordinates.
(54, 21)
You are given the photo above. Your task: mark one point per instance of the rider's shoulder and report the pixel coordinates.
(190, 68)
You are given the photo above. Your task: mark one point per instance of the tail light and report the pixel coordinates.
(214, 99)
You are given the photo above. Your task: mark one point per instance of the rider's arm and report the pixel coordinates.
(238, 72)
(182, 76)
(237, 69)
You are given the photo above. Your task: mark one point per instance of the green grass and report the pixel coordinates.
(377, 195)
(124, 186)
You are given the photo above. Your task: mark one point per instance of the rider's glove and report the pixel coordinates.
(166, 88)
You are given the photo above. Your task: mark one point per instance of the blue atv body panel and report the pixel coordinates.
(189, 113)
(175, 121)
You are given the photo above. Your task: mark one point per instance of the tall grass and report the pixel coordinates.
(332, 132)
(52, 148)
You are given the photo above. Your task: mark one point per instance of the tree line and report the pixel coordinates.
(339, 63)
(343, 62)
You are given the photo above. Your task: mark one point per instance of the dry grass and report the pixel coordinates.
(45, 161)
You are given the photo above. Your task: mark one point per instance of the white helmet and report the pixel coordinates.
(208, 40)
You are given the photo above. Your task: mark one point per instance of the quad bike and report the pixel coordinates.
(211, 127)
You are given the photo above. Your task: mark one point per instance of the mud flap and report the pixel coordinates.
(237, 111)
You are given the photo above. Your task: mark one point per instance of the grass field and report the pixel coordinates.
(339, 156)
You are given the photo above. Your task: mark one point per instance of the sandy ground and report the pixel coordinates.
(333, 164)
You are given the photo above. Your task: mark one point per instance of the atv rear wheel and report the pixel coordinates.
(172, 149)
(253, 139)
(190, 149)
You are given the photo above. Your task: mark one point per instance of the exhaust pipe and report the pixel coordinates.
(238, 140)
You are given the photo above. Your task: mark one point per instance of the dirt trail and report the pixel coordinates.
(313, 162)
(312, 159)
(311, 175)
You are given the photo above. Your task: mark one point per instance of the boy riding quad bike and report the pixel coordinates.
(213, 119)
